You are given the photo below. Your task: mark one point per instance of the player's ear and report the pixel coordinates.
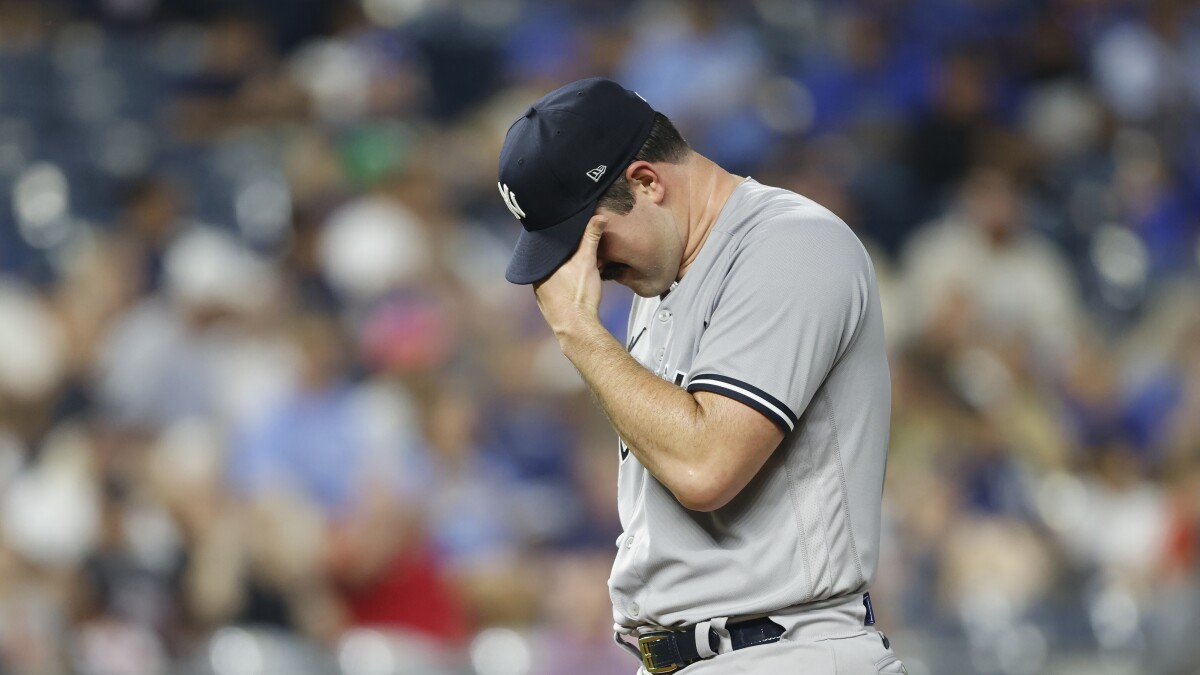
(645, 180)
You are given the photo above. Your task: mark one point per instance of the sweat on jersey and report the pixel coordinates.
(779, 311)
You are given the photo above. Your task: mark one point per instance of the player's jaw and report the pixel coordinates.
(648, 283)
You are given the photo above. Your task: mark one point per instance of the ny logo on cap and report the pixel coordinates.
(510, 200)
(595, 173)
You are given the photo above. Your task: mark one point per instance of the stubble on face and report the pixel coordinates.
(648, 283)
(612, 271)
(644, 275)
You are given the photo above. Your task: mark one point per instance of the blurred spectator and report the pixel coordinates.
(150, 218)
(985, 267)
(701, 65)
(1146, 65)
(311, 452)
(945, 137)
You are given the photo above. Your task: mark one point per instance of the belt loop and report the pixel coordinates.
(718, 626)
(637, 654)
(704, 640)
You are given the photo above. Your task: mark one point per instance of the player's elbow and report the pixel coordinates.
(731, 446)
(705, 492)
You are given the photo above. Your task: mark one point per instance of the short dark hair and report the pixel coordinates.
(664, 144)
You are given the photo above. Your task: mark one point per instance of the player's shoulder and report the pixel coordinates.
(772, 221)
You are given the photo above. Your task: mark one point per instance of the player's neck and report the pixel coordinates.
(709, 187)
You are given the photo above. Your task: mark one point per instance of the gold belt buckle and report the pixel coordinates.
(644, 643)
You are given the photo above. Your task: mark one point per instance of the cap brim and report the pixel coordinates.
(540, 252)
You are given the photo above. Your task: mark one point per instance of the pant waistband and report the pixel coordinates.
(836, 617)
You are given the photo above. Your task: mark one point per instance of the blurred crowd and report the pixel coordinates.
(268, 406)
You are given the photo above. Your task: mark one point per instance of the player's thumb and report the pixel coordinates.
(591, 237)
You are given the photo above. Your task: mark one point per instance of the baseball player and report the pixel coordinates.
(751, 396)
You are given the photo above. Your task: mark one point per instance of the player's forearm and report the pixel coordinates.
(663, 424)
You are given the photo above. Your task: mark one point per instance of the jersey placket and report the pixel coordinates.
(661, 332)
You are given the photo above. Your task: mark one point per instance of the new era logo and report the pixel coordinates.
(595, 173)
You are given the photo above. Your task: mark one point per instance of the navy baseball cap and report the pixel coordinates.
(558, 159)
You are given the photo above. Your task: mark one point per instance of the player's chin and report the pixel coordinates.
(646, 288)
(633, 280)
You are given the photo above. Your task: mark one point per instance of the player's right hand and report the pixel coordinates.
(571, 295)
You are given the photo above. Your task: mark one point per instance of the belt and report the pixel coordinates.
(669, 650)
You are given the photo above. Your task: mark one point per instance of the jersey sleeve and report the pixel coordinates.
(791, 304)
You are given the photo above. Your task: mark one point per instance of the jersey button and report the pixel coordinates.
(658, 355)
(663, 315)
(629, 541)
(635, 610)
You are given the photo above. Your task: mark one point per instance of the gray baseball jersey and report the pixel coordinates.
(779, 311)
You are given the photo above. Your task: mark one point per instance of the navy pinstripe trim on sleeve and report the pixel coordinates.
(756, 398)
